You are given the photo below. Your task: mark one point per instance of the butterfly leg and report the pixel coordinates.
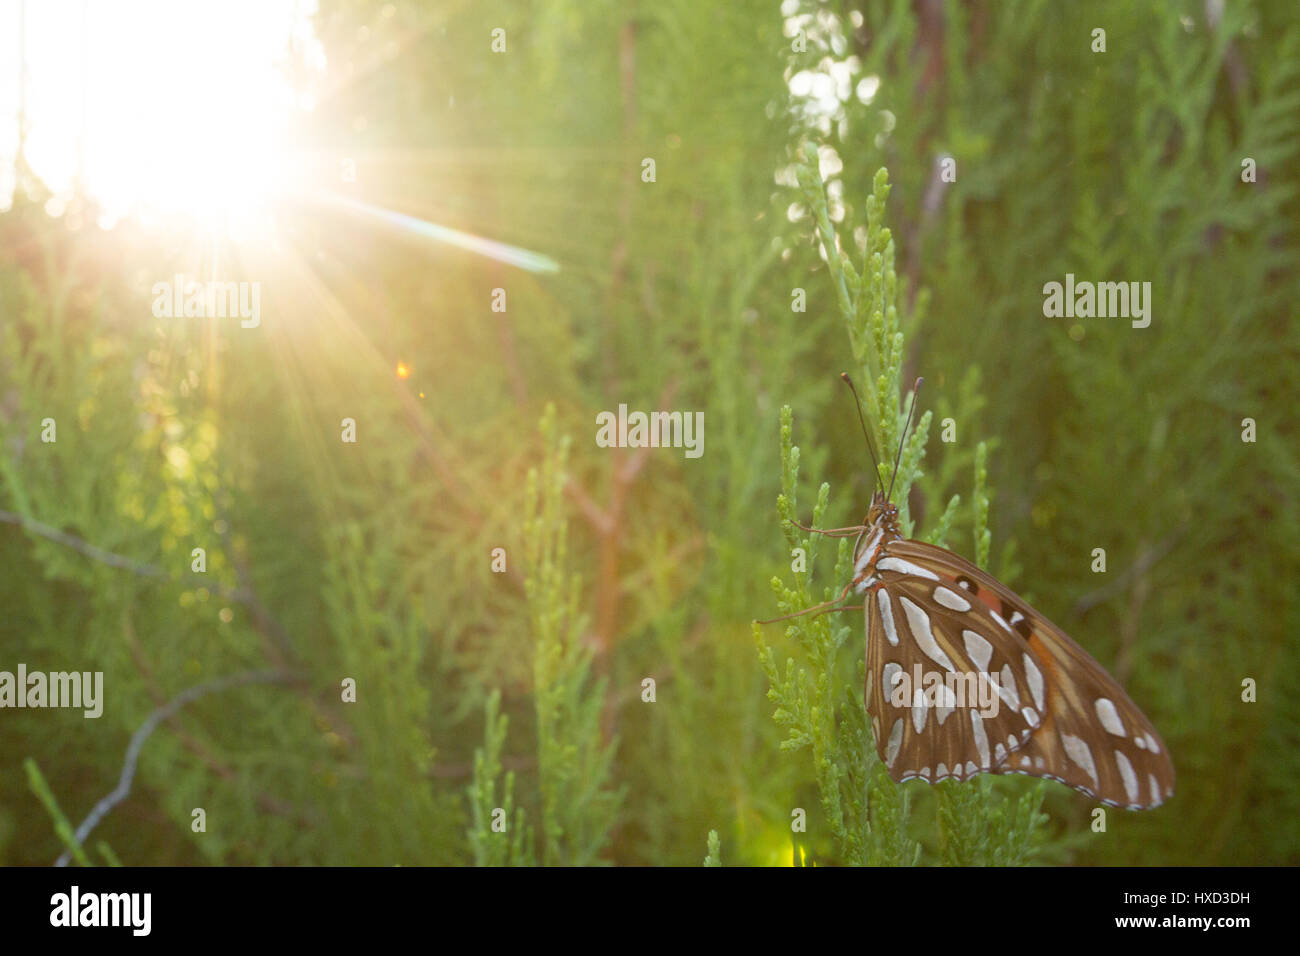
(828, 610)
(824, 608)
(832, 532)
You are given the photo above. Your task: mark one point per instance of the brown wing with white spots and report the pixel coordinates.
(948, 697)
(1089, 734)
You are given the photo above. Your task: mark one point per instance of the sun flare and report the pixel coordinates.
(176, 109)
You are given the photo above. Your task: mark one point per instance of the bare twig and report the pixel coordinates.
(667, 672)
(424, 431)
(279, 648)
(80, 545)
(142, 733)
(1128, 628)
(607, 523)
(191, 743)
(1122, 581)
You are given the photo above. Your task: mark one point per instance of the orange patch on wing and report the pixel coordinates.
(1044, 655)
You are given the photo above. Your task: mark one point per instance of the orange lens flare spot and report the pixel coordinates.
(403, 370)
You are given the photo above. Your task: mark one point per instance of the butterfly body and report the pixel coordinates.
(964, 678)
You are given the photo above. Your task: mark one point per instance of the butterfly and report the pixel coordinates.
(963, 677)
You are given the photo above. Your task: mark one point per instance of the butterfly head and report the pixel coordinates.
(882, 514)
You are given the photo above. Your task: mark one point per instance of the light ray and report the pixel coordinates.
(500, 251)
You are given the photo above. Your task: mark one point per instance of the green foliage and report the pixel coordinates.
(820, 710)
(1118, 166)
(714, 857)
(578, 808)
(522, 690)
(62, 827)
(510, 847)
(979, 830)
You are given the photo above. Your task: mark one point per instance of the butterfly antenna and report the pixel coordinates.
(857, 403)
(916, 387)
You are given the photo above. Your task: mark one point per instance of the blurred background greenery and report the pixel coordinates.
(523, 690)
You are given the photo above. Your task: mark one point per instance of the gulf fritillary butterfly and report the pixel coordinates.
(1055, 712)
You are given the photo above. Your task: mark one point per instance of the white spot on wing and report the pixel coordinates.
(951, 599)
(1007, 687)
(1035, 678)
(918, 714)
(1129, 777)
(895, 741)
(1078, 751)
(905, 567)
(981, 739)
(889, 678)
(1109, 717)
(919, 623)
(980, 650)
(887, 616)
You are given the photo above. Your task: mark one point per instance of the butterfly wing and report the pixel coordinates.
(967, 725)
(1066, 717)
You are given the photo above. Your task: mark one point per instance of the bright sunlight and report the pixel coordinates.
(158, 108)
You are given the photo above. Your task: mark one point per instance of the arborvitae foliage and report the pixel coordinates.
(1125, 165)
(373, 562)
(714, 857)
(578, 809)
(866, 812)
(490, 818)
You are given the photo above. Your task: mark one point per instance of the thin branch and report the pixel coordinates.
(1128, 628)
(279, 646)
(666, 672)
(1122, 581)
(607, 523)
(143, 569)
(191, 743)
(123, 788)
(415, 415)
